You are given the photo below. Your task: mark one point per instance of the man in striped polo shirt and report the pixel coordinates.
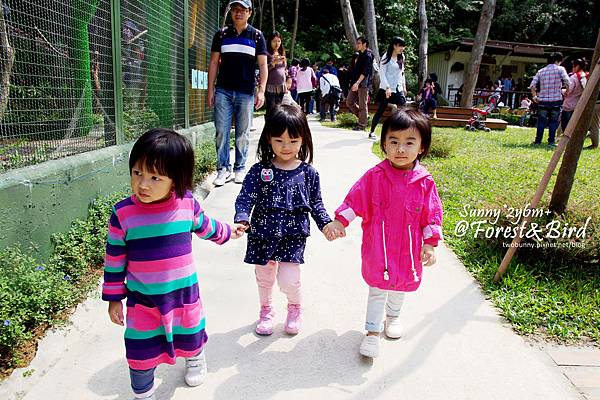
(235, 51)
(551, 79)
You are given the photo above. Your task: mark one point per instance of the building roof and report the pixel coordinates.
(516, 48)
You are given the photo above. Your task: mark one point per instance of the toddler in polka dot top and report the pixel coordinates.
(276, 197)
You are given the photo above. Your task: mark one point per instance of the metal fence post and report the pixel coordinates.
(186, 60)
(115, 12)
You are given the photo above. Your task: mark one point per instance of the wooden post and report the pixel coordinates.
(562, 144)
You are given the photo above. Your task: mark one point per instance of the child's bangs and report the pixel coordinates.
(400, 122)
(155, 164)
(279, 122)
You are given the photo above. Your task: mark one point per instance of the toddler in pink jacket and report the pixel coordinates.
(401, 221)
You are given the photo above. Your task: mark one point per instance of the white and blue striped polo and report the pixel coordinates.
(238, 57)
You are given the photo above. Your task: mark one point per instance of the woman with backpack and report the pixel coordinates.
(392, 84)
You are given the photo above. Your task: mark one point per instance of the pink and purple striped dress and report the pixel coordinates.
(149, 262)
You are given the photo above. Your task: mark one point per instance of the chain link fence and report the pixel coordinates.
(60, 93)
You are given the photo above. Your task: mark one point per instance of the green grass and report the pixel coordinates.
(552, 292)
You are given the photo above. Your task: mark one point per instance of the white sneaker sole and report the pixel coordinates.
(368, 353)
(218, 184)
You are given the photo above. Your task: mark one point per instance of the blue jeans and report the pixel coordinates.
(142, 381)
(565, 117)
(231, 105)
(548, 113)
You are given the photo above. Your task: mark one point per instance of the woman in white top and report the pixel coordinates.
(306, 83)
(392, 85)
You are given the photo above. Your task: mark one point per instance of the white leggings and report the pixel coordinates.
(379, 300)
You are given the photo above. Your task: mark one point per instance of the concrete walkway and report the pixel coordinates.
(455, 345)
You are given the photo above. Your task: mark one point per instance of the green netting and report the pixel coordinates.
(58, 92)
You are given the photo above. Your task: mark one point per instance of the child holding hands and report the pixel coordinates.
(149, 261)
(401, 221)
(276, 197)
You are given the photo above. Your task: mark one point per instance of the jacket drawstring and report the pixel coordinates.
(386, 275)
(412, 258)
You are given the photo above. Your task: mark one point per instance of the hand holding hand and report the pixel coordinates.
(238, 229)
(388, 93)
(428, 255)
(115, 312)
(334, 230)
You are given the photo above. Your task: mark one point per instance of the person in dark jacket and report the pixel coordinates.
(362, 73)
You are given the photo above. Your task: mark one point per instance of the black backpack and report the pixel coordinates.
(334, 91)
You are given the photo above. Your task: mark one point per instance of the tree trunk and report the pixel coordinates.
(273, 14)
(547, 21)
(423, 44)
(485, 21)
(371, 23)
(568, 167)
(349, 24)
(295, 31)
(7, 59)
(262, 14)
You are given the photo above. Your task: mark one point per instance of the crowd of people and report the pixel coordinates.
(555, 94)
(149, 261)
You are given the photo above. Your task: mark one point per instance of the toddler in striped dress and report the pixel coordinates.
(149, 261)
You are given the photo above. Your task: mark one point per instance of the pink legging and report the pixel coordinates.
(288, 277)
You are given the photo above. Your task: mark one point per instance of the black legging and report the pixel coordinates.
(396, 98)
(304, 99)
(273, 99)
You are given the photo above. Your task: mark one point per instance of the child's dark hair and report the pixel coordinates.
(285, 117)
(167, 153)
(406, 119)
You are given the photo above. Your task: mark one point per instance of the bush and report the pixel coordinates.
(442, 147)
(346, 120)
(33, 294)
(136, 122)
(206, 160)
(30, 295)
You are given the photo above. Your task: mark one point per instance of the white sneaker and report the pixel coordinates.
(369, 346)
(393, 328)
(151, 397)
(239, 176)
(223, 176)
(195, 370)
(372, 136)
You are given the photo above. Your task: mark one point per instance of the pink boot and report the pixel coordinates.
(293, 321)
(264, 326)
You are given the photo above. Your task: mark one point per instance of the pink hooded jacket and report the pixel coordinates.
(400, 211)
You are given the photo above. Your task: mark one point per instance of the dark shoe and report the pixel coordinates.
(536, 144)
(358, 128)
(590, 147)
(552, 144)
(321, 119)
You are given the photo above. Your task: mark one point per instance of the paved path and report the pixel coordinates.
(455, 346)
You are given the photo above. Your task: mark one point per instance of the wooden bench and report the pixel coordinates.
(446, 116)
